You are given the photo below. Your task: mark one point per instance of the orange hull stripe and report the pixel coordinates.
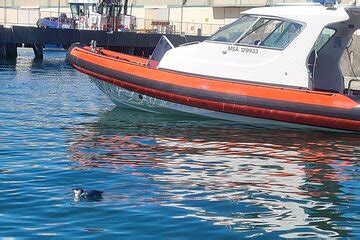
(120, 56)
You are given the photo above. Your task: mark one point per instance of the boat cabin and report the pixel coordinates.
(96, 14)
(297, 45)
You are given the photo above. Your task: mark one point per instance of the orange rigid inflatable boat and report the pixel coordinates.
(274, 65)
(129, 81)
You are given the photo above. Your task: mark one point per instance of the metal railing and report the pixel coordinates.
(173, 27)
(23, 17)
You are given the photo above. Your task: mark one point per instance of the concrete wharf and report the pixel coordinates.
(33, 37)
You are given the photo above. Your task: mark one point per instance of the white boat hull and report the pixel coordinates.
(129, 99)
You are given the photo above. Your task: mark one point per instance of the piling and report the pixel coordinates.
(38, 51)
(2, 51)
(11, 51)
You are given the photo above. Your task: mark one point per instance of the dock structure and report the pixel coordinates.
(33, 37)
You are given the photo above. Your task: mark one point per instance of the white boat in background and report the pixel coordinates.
(104, 15)
(277, 64)
(101, 15)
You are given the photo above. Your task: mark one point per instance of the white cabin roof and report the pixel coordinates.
(306, 13)
(84, 1)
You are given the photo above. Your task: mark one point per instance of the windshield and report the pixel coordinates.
(259, 31)
(232, 32)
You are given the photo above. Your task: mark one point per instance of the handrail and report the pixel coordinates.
(349, 85)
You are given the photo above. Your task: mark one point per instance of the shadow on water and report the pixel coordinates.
(292, 182)
(26, 62)
(8, 64)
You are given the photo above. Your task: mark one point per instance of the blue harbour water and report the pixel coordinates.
(163, 177)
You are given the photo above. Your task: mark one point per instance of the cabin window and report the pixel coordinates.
(74, 10)
(324, 37)
(233, 31)
(272, 33)
(259, 31)
(282, 35)
(81, 10)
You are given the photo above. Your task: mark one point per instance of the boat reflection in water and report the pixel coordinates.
(295, 183)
